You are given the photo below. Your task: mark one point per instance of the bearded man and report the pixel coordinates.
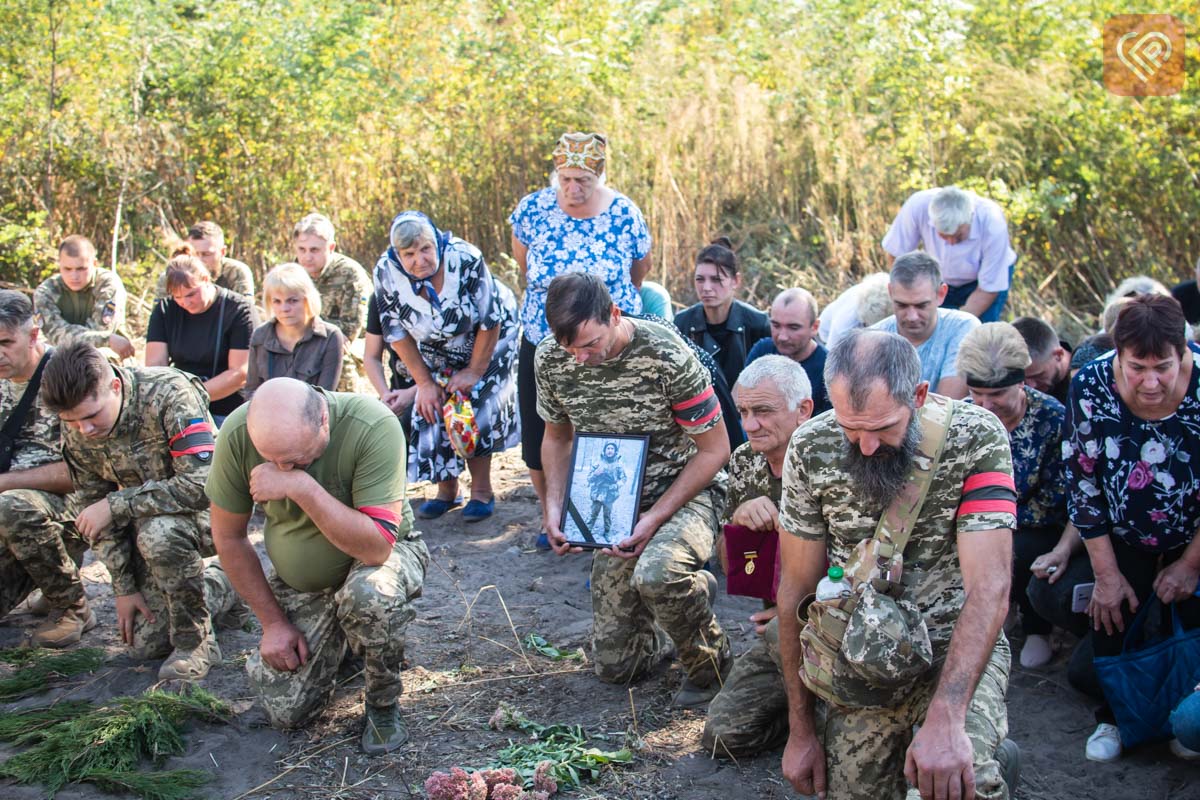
(843, 472)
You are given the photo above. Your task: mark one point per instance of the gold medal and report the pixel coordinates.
(750, 556)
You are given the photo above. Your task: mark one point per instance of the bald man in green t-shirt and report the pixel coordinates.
(328, 470)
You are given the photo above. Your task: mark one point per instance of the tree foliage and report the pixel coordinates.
(795, 127)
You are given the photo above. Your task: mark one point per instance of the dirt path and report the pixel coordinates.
(464, 660)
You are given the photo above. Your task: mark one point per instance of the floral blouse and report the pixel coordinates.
(1037, 463)
(605, 245)
(1134, 478)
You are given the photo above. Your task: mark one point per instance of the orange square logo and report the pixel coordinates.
(1144, 55)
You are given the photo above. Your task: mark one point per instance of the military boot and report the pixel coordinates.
(689, 694)
(191, 665)
(236, 617)
(65, 627)
(384, 730)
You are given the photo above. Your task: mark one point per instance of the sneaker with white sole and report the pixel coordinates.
(1104, 744)
(1036, 652)
(1185, 753)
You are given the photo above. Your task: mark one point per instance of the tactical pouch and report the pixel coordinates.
(858, 650)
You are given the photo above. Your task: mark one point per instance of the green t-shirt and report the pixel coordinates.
(362, 466)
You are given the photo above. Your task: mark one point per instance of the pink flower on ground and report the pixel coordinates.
(1141, 476)
(500, 777)
(543, 778)
(457, 785)
(507, 791)
(536, 795)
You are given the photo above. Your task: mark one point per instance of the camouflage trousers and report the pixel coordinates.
(368, 613)
(169, 570)
(633, 598)
(865, 747)
(750, 713)
(39, 549)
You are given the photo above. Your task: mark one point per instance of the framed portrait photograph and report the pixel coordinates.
(604, 488)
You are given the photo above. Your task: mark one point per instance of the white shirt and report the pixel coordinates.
(985, 255)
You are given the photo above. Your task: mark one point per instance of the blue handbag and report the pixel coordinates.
(1148, 679)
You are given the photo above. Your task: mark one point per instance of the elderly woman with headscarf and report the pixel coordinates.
(992, 359)
(455, 328)
(576, 224)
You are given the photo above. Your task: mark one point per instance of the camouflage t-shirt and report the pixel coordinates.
(37, 440)
(90, 315)
(345, 288)
(654, 386)
(153, 462)
(820, 502)
(749, 477)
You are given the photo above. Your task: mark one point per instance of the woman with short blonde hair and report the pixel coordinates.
(295, 342)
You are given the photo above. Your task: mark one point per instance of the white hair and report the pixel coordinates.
(1135, 286)
(950, 209)
(790, 378)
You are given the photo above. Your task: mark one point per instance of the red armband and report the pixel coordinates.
(988, 491)
(700, 409)
(195, 439)
(387, 522)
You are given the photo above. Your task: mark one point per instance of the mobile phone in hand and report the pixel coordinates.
(1081, 596)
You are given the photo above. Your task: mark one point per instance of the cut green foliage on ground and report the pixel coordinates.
(573, 760)
(36, 669)
(106, 745)
(537, 642)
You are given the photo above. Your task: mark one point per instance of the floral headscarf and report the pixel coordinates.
(583, 150)
(440, 239)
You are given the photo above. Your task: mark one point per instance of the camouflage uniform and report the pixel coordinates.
(865, 748)
(368, 613)
(90, 315)
(39, 547)
(345, 288)
(151, 468)
(234, 276)
(365, 608)
(749, 714)
(654, 386)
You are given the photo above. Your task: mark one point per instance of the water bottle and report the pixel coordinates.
(833, 586)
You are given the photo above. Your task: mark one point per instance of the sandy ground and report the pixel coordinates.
(486, 582)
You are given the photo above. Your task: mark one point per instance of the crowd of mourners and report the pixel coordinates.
(911, 479)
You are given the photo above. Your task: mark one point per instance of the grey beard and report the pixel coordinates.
(878, 478)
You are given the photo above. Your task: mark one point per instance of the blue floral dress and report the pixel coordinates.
(1136, 479)
(605, 245)
(470, 299)
(1038, 471)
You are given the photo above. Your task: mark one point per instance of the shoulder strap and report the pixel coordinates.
(217, 343)
(898, 520)
(12, 426)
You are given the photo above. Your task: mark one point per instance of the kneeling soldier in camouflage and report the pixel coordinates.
(602, 372)
(39, 548)
(328, 470)
(139, 443)
(774, 396)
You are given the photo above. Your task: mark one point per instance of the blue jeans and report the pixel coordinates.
(1185, 721)
(957, 295)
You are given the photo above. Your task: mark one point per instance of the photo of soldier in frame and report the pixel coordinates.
(604, 488)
